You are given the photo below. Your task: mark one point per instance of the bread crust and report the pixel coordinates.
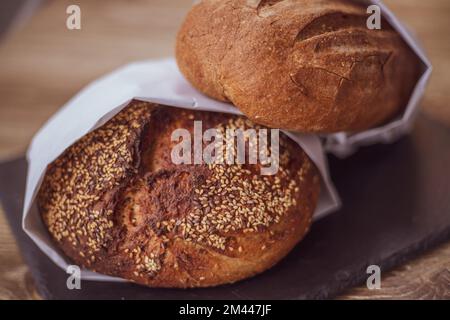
(115, 203)
(302, 65)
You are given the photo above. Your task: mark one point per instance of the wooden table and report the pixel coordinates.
(43, 64)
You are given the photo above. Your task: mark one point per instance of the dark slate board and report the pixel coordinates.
(396, 205)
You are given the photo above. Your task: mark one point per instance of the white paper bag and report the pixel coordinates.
(153, 81)
(344, 144)
(161, 82)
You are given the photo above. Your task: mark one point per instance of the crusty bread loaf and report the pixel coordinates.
(115, 203)
(304, 65)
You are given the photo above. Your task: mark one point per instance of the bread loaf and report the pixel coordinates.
(303, 65)
(115, 203)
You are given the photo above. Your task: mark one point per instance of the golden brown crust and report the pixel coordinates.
(303, 65)
(115, 203)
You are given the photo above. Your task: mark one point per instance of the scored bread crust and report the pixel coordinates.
(115, 203)
(302, 65)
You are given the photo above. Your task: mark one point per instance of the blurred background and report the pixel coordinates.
(43, 64)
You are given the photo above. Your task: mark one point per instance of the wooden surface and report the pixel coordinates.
(43, 64)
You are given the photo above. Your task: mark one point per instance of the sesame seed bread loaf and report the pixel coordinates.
(302, 65)
(115, 203)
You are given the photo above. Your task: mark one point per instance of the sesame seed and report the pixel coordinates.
(75, 181)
